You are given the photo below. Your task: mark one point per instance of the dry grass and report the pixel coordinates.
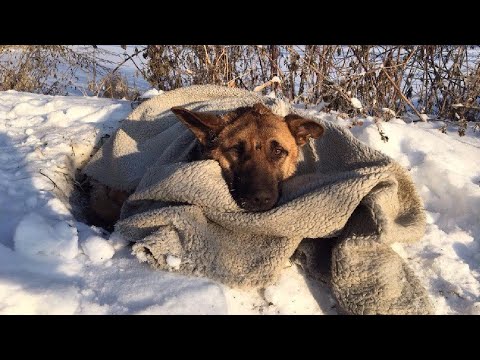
(114, 86)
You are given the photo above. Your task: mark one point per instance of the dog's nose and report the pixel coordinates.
(261, 201)
(261, 198)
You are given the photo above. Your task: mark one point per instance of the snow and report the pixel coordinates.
(424, 117)
(356, 103)
(276, 79)
(151, 93)
(388, 111)
(291, 294)
(52, 263)
(97, 249)
(173, 261)
(36, 237)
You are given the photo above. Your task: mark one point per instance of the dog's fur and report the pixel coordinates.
(256, 149)
(105, 204)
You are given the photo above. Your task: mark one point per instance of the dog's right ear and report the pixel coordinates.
(202, 124)
(302, 129)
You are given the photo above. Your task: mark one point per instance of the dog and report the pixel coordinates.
(256, 149)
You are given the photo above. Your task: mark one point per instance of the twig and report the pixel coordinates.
(130, 57)
(468, 107)
(53, 182)
(401, 94)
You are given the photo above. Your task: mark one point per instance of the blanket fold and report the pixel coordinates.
(182, 217)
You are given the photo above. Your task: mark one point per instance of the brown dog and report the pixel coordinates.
(255, 148)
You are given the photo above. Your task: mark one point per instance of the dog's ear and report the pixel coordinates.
(202, 124)
(205, 124)
(302, 128)
(261, 109)
(233, 114)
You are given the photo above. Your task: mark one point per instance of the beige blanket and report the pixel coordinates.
(182, 217)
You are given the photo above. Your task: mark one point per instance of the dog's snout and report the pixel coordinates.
(261, 200)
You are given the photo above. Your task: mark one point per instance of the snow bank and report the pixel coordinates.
(35, 236)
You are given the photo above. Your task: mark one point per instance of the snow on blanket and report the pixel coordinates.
(52, 264)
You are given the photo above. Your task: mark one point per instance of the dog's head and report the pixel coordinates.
(255, 148)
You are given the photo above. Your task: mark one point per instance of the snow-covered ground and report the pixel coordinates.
(52, 264)
(109, 56)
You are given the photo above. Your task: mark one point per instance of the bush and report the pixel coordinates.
(439, 80)
(46, 69)
(113, 86)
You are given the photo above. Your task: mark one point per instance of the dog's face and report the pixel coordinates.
(255, 148)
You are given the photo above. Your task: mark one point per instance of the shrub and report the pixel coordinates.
(439, 80)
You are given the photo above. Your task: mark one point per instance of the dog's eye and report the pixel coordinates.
(236, 150)
(279, 152)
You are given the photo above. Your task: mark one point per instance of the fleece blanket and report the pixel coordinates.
(336, 218)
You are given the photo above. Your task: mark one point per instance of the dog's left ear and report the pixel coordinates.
(302, 128)
(205, 124)
(202, 124)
